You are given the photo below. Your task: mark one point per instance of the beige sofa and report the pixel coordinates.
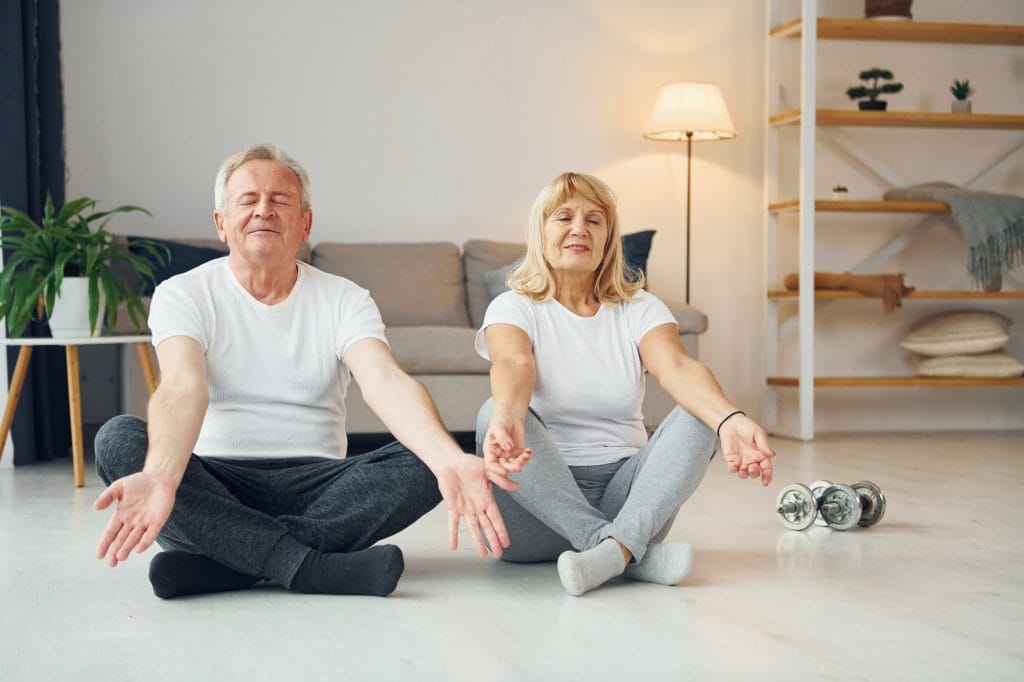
(432, 298)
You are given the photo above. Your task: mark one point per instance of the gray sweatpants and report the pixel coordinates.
(560, 507)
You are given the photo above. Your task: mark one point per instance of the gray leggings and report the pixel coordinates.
(560, 507)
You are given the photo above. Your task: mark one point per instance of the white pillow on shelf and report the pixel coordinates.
(961, 333)
(997, 365)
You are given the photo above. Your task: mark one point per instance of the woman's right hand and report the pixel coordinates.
(505, 450)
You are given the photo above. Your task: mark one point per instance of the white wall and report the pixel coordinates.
(438, 120)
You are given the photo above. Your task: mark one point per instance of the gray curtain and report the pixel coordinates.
(32, 154)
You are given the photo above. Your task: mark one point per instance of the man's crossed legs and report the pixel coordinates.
(306, 523)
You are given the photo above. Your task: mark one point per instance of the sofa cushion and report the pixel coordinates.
(482, 256)
(412, 284)
(436, 350)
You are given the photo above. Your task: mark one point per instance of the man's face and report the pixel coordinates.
(263, 217)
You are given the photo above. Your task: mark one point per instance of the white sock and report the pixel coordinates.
(666, 563)
(583, 571)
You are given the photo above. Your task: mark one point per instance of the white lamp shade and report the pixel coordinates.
(696, 108)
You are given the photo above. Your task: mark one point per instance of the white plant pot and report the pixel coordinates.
(70, 315)
(961, 106)
(839, 196)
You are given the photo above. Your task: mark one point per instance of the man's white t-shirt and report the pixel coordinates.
(275, 372)
(590, 380)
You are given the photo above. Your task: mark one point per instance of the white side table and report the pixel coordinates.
(141, 343)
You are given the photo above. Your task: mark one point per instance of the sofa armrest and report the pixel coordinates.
(690, 319)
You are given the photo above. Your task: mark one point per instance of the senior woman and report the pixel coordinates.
(569, 347)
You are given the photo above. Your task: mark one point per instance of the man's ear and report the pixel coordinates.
(308, 220)
(218, 222)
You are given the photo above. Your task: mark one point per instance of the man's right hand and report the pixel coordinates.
(142, 505)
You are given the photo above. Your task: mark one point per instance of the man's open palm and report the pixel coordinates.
(141, 507)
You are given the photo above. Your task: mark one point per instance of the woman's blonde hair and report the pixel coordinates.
(533, 276)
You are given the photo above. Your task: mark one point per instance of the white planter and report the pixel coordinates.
(961, 106)
(70, 315)
(838, 196)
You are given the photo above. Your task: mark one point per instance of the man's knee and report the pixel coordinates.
(120, 447)
(410, 480)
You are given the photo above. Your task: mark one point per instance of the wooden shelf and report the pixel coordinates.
(907, 31)
(862, 206)
(781, 294)
(896, 382)
(905, 119)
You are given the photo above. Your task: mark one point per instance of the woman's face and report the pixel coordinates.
(574, 236)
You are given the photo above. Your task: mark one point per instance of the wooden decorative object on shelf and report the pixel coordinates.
(890, 288)
(888, 9)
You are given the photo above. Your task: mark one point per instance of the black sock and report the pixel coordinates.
(373, 571)
(175, 574)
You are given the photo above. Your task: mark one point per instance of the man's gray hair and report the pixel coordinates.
(258, 152)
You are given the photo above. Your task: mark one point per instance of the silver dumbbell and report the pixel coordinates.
(835, 505)
(872, 503)
(796, 507)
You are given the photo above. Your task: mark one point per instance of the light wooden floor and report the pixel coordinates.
(934, 592)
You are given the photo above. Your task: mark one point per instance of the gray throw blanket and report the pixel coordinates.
(993, 224)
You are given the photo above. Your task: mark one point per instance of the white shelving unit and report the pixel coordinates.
(809, 29)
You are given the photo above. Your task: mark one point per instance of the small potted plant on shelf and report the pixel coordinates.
(962, 91)
(69, 265)
(839, 192)
(868, 94)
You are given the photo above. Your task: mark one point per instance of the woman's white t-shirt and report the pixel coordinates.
(276, 377)
(590, 380)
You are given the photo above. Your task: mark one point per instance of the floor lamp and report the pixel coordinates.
(691, 112)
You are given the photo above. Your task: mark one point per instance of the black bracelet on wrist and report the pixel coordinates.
(729, 416)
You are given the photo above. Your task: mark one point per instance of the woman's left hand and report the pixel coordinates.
(746, 449)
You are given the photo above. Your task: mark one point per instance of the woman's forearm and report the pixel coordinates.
(512, 383)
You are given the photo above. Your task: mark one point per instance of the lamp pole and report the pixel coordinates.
(689, 175)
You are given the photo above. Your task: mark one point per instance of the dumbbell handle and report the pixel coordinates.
(793, 507)
(789, 508)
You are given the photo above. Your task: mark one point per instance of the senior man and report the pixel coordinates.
(240, 471)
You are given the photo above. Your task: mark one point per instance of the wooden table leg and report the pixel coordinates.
(14, 393)
(146, 361)
(75, 408)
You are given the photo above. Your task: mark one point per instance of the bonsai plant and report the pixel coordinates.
(961, 90)
(869, 93)
(42, 258)
(839, 192)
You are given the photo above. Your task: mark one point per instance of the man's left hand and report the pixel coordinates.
(466, 490)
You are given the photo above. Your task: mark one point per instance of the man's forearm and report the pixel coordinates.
(407, 411)
(174, 420)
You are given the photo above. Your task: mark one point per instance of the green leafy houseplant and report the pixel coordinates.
(869, 93)
(73, 242)
(961, 89)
